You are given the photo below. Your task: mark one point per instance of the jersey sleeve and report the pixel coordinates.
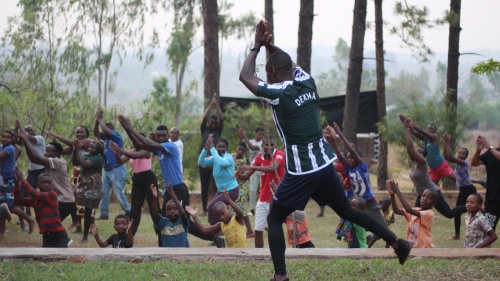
(280, 158)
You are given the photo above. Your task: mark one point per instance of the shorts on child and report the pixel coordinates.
(7, 193)
(443, 170)
(57, 239)
(261, 212)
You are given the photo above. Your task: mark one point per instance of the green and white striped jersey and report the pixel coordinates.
(295, 109)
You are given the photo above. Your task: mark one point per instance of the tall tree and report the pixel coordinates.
(180, 47)
(306, 17)
(114, 24)
(269, 16)
(211, 67)
(355, 71)
(381, 106)
(452, 73)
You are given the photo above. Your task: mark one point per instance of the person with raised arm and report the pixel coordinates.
(142, 179)
(294, 101)
(420, 176)
(211, 125)
(491, 160)
(168, 156)
(463, 182)
(114, 174)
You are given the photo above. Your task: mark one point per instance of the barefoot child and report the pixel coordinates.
(420, 220)
(123, 237)
(232, 226)
(44, 202)
(479, 233)
(175, 225)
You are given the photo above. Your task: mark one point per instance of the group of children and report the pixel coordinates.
(232, 219)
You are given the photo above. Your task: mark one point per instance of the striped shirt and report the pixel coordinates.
(295, 110)
(45, 205)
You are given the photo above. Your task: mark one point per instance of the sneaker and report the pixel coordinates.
(403, 251)
(102, 217)
(70, 241)
(18, 222)
(220, 242)
(249, 214)
(25, 228)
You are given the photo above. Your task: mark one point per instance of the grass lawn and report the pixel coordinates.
(322, 234)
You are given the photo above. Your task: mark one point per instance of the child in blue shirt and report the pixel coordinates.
(174, 226)
(358, 172)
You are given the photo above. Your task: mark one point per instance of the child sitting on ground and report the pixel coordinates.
(355, 234)
(420, 220)
(388, 214)
(232, 226)
(175, 224)
(479, 233)
(44, 202)
(123, 237)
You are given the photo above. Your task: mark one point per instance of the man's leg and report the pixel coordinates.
(138, 196)
(276, 237)
(261, 213)
(118, 185)
(106, 189)
(204, 181)
(254, 188)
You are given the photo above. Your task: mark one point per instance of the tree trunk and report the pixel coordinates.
(269, 16)
(355, 71)
(381, 112)
(452, 72)
(211, 68)
(306, 17)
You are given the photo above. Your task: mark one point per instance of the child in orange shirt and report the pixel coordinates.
(420, 220)
(296, 222)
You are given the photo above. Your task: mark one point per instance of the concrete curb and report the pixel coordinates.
(138, 255)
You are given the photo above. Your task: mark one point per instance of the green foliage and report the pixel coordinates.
(407, 85)
(249, 119)
(424, 112)
(486, 67)
(487, 115)
(410, 29)
(333, 82)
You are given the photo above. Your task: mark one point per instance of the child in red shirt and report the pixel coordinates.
(44, 202)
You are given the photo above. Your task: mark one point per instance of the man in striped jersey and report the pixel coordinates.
(294, 101)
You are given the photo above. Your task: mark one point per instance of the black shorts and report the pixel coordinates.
(55, 239)
(323, 186)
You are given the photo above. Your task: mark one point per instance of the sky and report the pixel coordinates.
(333, 20)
